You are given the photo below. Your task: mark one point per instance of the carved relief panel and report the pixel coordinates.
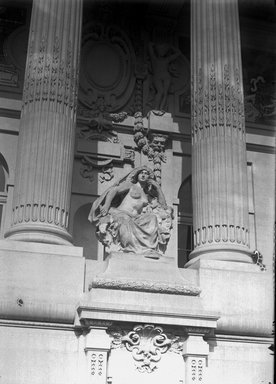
(150, 354)
(107, 68)
(13, 47)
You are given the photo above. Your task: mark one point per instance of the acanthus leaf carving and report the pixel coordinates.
(47, 69)
(217, 105)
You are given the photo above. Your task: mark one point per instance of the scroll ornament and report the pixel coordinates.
(147, 343)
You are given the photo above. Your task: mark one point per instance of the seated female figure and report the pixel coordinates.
(132, 216)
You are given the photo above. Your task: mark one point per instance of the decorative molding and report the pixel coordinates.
(198, 330)
(105, 168)
(97, 365)
(98, 163)
(97, 362)
(197, 366)
(144, 286)
(99, 119)
(147, 343)
(226, 233)
(8, 76)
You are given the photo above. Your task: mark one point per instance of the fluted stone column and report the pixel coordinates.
(220, 200)
(47, 127)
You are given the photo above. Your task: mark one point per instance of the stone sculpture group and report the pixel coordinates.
(132, 216)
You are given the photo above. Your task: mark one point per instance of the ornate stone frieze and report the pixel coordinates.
(147, 343)
(144, 286)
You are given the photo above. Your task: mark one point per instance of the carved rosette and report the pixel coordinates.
(147, 343)
(220, 200)
(47, 127)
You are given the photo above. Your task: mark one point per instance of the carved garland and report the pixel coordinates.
(154, 149)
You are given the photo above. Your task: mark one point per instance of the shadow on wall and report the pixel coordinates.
(4, 173)
(84, 233)
(185, 222)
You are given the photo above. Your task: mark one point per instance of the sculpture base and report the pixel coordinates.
(142, 272)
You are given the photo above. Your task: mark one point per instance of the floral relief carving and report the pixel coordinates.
(49, 77)
(217, 104)
(147, 343)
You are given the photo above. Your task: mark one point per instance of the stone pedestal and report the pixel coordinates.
(130, 300)
(220, 199)
(241, 293)
(136, 272)
(47, 128)
(134, 288)
(40, 282)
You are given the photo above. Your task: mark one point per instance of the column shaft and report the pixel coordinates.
(220, 200)
(47, 127)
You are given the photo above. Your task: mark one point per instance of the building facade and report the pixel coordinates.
(90, 90)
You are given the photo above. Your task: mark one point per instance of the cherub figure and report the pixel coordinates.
(161, 56)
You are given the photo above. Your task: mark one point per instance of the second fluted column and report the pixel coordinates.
(220, 199)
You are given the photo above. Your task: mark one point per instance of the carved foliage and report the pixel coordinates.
(152, 145)
(147, 343)
(217, 105)
(50, 77)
